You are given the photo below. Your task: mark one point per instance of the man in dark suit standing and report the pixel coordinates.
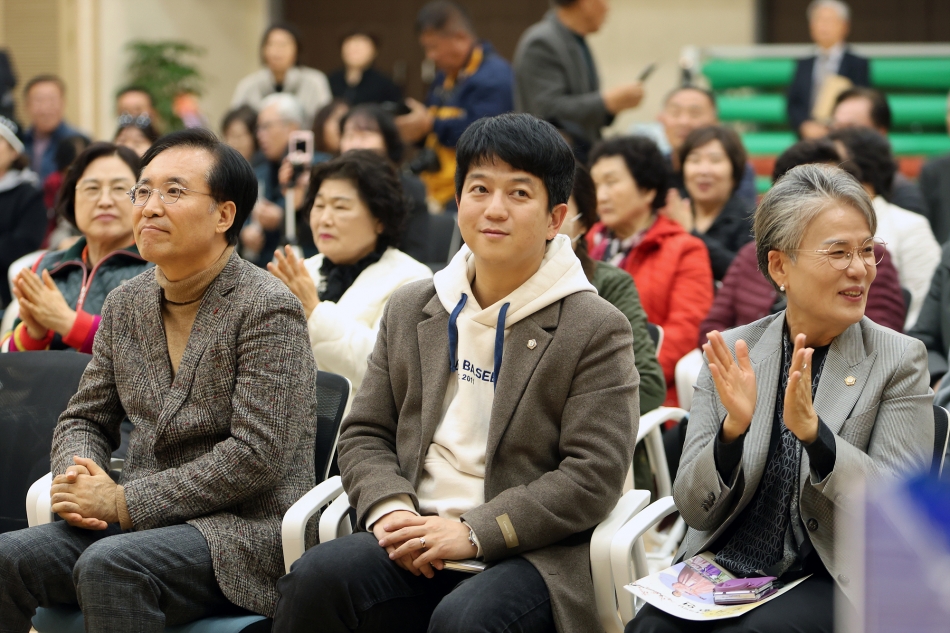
(556, 77)
(829, 22)
(935, 185)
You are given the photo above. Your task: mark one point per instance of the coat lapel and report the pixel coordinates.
(433, 336)
(214, 310)
(517, 366)
(150, 331)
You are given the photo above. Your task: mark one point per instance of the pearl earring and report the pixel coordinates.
(782, 287)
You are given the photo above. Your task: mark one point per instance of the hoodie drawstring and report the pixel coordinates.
(454, 334)
(499, 339)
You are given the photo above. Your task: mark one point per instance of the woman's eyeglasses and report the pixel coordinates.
(840, 254)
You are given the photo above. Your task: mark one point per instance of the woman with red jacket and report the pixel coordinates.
(670, 267)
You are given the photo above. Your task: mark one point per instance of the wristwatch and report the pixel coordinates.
(471, 538)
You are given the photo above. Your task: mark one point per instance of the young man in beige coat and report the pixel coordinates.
(496, 421)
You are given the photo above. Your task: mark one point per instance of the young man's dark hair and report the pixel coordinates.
(871, 152)
(816, 150)
(443, 15)
(703, 91)
(377, 183)
(373, 115)
(644, 162)
(66, 198)
(524, 142)
(585, 197)
(880, 109)
(42, 79)
(230, 178)
(730, 142)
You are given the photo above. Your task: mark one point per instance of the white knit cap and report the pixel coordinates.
(8, 130)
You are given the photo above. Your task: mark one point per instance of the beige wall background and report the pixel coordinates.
(638, 32)
(84, 42)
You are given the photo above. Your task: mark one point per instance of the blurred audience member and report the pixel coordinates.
(326, 130)
(282, 73)
(45, 103)
(868, 108)
(828, 22)
(555, 74)
(60, 233)
(471, 81)
(669, 266)
(22, 213)
(689, 108)
(615, 286)
(7, 84)
(935, 187)
(239, 129)
(370, 127)
(909, 239)
(280, 115)
(357, 213)
(358, 81)
(713, 161)
(136, 101)
(61, 298)
(933, 322)
(137, 133)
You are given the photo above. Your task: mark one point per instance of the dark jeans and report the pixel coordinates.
(122, 581)
(805, 609)
(349, 584)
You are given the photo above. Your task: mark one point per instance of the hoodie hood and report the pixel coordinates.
(16, 177)
(560, 275)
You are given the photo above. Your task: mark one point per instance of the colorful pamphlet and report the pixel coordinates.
(688, 590)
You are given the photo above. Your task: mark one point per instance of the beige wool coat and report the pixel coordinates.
(560, 440)
(228, 444)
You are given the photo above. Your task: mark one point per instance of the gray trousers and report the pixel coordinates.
(122, 581)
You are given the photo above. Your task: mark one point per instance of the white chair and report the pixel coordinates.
(685, 376)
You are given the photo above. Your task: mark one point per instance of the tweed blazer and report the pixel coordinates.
(883, 426)
(227, 444)
(560, 438)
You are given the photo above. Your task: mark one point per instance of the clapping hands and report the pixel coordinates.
(735, 383)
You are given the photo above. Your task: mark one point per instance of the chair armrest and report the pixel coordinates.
(653, 419)
(627, 557)
(38, 502)
(335, 520)
(293, 529)
(651, 424)
(604, 591)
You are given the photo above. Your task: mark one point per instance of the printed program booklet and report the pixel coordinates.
(685, 590)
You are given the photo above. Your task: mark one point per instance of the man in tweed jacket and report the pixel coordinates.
(209, 358)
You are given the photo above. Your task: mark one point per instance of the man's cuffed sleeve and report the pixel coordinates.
(386, 506)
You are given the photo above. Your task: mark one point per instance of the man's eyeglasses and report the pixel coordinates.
(840, 254)
(169, 193)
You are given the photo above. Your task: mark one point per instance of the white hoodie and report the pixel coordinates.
(453, 478)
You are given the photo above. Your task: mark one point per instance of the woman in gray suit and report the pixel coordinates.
(792, 408)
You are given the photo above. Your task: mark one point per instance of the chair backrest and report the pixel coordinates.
(35, 388)
(941, 439)
(333, 391)
(656, 335)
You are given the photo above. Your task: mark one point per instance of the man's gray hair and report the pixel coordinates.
(287, 105)
(795, 200)
(841, 7)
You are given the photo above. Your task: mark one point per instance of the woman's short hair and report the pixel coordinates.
(871, 152)
(585, 196)
(377, 183)
(731, 143)
(372, 117)
(644, 162)
(244, 114)
(291, 30)
(142, 123)
(796, 199)
(66, 198)
(320, 120)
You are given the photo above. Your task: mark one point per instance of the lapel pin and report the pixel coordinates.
(850, 380)
(532, 344)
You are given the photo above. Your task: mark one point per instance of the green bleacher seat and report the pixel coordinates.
(911, 73)
(756, 73)
(909, 110)
(762, 108)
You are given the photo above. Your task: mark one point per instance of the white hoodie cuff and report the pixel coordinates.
(390, 504)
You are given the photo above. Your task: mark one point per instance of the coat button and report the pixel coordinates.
(532, 344)
(844, 580)
(812, 525)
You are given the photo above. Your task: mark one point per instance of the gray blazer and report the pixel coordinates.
(560, 439)
(883, 425)
(227, 446)
(552, 79)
